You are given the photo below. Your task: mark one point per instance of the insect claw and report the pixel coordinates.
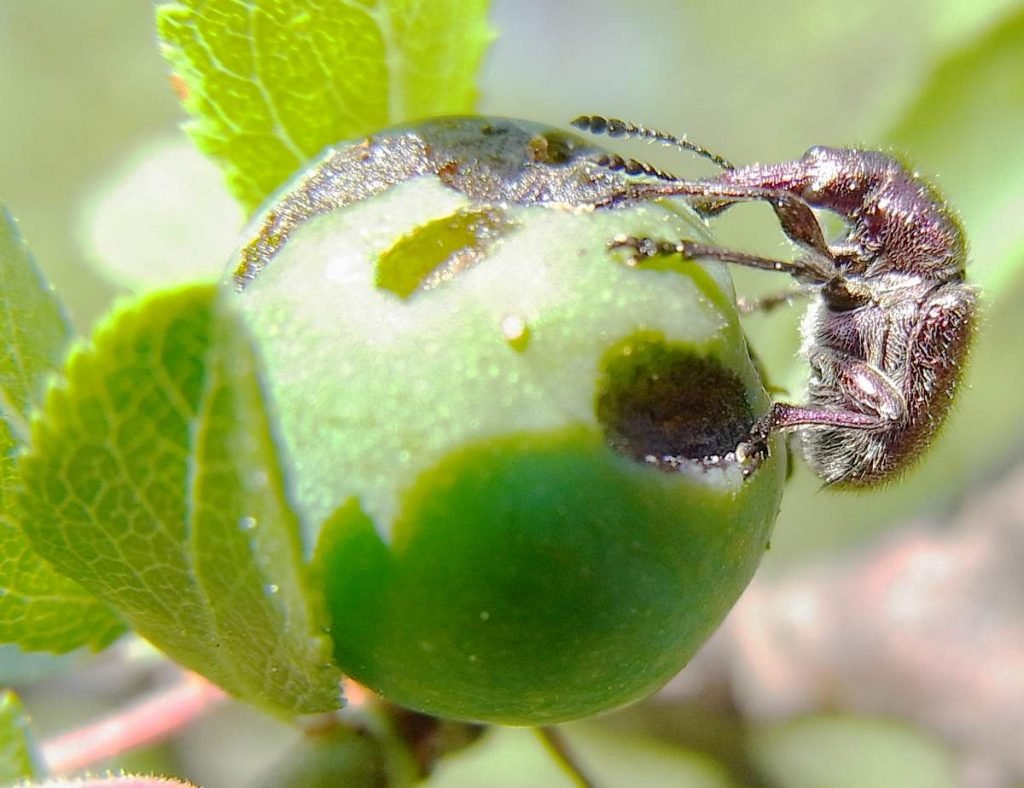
(751, 454)
(640, 248)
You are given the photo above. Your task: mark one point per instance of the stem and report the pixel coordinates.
(560, 750)
(147, 722)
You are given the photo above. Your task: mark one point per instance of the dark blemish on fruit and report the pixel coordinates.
(437, 251)
(667, 404)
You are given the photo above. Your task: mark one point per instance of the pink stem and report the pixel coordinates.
(145, 723)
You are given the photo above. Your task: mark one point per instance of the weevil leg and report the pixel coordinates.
(800, 224)
(795, 215)
(808, 269)
(850, 380)
(771, 301)
(784, 417)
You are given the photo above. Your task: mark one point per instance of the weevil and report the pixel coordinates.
(891, 316)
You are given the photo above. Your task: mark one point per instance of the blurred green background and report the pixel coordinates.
(94, 165)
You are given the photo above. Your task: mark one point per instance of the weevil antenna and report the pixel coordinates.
(613, 127)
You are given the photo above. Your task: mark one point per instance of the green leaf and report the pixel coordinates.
(33, 328)
(153, 480)
(272, 82)
(16, 745)
(966, 125)
(850, 752)
(513, 757)
(39, 608)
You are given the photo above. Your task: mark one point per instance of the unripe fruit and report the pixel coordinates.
(501, 425)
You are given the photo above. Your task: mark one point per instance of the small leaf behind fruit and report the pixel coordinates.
(153, 480)
(33, 329)
(965, 124)
(16, 745)
(272, 82)
(39, 608)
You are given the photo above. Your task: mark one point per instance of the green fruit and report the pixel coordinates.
(496, 426)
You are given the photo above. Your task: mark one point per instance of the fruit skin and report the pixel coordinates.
(534, 579)
(485, 553)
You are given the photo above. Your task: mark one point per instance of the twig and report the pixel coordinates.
(147, 722)
(559, 748)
